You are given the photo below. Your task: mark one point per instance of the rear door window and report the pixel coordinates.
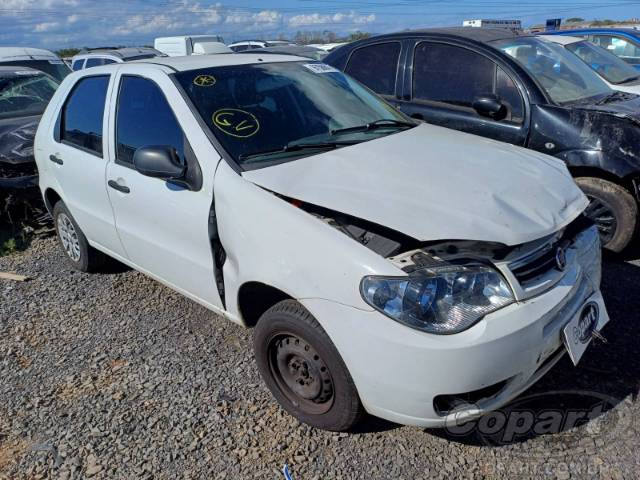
(94, 62)
(144, 118)
(376, 66)
(455, 76)
(82, 114)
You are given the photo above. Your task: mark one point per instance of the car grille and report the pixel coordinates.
(535, 265)
(541, 264)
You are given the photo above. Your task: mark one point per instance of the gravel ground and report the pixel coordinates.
(114, 376)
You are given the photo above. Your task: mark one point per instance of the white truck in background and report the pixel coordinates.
(191, 45)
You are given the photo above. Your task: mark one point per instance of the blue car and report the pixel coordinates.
(622, 42)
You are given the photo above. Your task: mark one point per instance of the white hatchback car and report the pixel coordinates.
(414, 272)
(615, 72)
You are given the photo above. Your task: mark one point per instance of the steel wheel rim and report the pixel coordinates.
(602, 215)
(301, 374)
(69, 237)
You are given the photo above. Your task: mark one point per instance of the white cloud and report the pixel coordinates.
(45, 26)
(328, 19)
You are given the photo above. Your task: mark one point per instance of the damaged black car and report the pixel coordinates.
(24, 94)
(519, 89)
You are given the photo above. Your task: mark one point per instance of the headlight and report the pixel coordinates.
(440, 300)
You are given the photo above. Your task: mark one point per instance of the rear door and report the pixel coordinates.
(442, 81)
(377, 66)
(164, 226)
(78, 159)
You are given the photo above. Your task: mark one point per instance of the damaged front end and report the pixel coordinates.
(17, 164)
(605, 137)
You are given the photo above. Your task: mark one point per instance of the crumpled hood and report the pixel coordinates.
(16, 139)
(432, 183)
(628, 106)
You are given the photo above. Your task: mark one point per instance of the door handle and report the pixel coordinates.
(55, 159)
(116, 186)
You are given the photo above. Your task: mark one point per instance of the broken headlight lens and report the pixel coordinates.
(442, 300)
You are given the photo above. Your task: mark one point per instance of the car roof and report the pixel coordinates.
(562, 39)
(20, 53)
(196, 62)
(123, 53)
(248, 41)
(478, 34)
(289, 49)
(628, 31)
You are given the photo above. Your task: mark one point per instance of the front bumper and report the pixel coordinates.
(399, 372)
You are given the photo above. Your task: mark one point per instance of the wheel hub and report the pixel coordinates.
(301, 374)
(602, 215)
(68, 237)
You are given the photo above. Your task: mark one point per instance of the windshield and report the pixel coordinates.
(56, 68)
(276, 106)
(25, 95)
(561, 74)
(612, 68)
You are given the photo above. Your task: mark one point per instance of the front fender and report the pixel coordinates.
(270, 241)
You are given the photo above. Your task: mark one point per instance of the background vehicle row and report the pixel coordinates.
(518, 89)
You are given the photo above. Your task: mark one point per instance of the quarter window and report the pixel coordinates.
(77, 65)
(83, 113)
(456, 76)
(376, 66)
(144, 118)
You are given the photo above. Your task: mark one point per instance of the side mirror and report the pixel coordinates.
(158, 162)
(489, 105)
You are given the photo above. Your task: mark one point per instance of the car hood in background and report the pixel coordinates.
(432, 183)
(16, 139)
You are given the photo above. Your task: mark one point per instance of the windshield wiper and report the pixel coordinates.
(629, 80)
(382, 123)
(612, 97)
(294, 147)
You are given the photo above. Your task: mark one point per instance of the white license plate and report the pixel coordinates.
(577, 334)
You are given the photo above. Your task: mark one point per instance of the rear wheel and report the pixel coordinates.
(613, 209)
(303, 369)
(79, 254)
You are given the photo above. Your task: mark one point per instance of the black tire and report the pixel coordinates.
(336, 405)
(614, 210)
(81, 256)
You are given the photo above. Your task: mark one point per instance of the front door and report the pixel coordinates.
(445, 80)
(163, 225)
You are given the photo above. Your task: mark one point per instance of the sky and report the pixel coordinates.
(57, 24)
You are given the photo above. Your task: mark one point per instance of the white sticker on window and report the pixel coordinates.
(320, 68)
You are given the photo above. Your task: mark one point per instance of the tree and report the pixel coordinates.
(67, 52)
(358, 36)
(574, 20)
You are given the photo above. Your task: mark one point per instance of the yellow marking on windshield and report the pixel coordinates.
(204, 81)
(236, 123)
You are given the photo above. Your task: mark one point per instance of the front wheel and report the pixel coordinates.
(303, 369)
(613, 209)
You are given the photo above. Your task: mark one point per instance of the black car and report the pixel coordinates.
(519, 89)
(24, 94)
